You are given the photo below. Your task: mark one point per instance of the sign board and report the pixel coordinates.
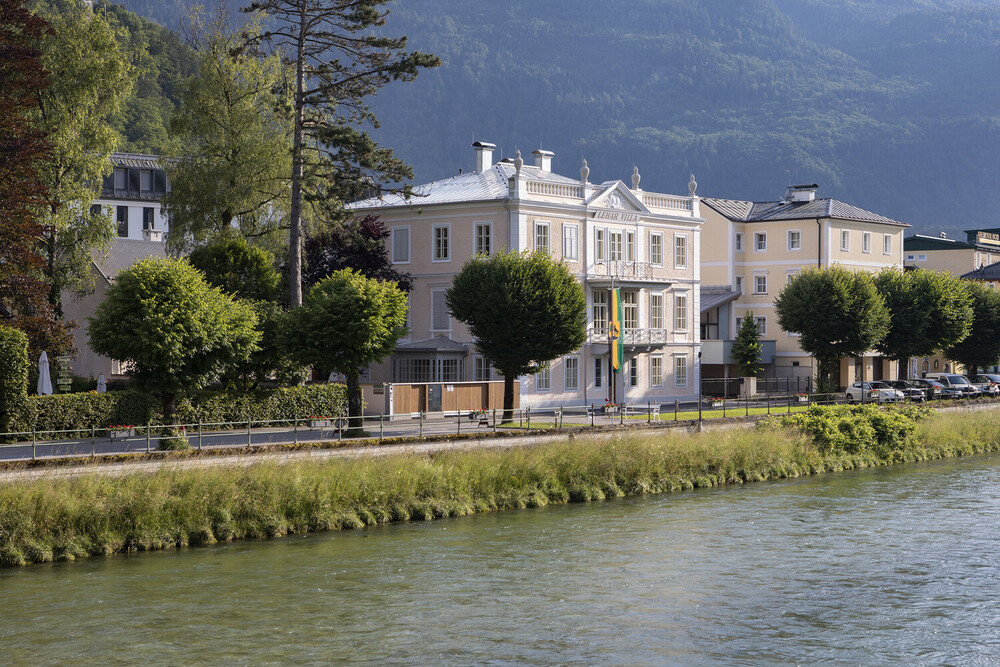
(988, 238)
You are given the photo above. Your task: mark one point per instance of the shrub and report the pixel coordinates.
(13, 377)
(855, 429)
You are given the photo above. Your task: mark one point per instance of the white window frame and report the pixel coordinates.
(439, 291)
(921, 258)
(866, 242)
(446, 228)
(656, 370)
(656, 248)
(630, 246)
(571, 243)
(911, 258)
(656, 310)
(601, 325)
(392, 243)
(789, 275)
(543, 229)
(796, 236)
(761, 325)
(488, 226)
(571, 363)
(598, 372)
(845, 240)
(600, 242)
(478, 362)
(739, 241)
(757, 277)
(739, 284)
(886, 244)
(680, 371)
(543, 380)
(616, 251)
(680, 312)
(680, 251)
(760, 241)
(633, 372)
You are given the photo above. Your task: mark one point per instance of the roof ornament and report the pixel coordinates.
(518, 162)
(692, 186)
(584, 171)
(635, 178)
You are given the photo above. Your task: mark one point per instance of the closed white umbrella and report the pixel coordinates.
(102, 385)
(44, 381)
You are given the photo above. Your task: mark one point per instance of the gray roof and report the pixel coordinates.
(989, 273)
(125, 252)
(136, 160)
(713, 297)
(436, 344)
(491, 184)
(765, 211)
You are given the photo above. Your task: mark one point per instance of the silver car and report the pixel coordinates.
(873, 392)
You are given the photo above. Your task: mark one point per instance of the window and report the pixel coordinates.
(739, 242)
(633, 372)
(615, 254)
(451, 370)
(122, 218)
(789, 277)
(760, 284)
(484, 238)
(147, 217)
(600, 310)
(761, 325)
(440, 317)
(95, 209)
(599, 245)
(656, 371)
(680, 252)
(739, 284)
(886, 245)
(910, 258)
(571, 243)
(681, 312)
(442, 243)
(921, 258)
(400, 245)
(571, 373)
(760, 241)
(121, 176)
(655, 311)
(680, 371)
(630, 310)
(598, 371)
(795, 240)
(542, 237)
(145, 180)
(481, 370)
(629, 246)
(866, 242)
(845, 240)
(543, 380)
(656, 249)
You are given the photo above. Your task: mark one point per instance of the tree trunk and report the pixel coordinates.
(169, 408)
(295, 212)
(355, 403)
(904, 368)
(508, 398)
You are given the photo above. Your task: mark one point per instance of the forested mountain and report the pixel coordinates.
(893, 105)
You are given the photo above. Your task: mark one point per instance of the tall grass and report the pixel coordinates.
(89, 515)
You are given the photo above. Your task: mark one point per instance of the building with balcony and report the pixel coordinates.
(609, 234)
(752, 249)
(132, 194)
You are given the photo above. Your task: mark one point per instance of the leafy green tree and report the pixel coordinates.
(348, 322)
(173, 330)
(522, 309)
(238, 268)
(982, 346)
(235, 129)
(340, 56)
(930, 311)
(747, 348)
(837, 312)
(91, 77)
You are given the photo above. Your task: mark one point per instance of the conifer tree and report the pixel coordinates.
(747, 347)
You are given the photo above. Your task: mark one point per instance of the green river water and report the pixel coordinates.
(885, 566)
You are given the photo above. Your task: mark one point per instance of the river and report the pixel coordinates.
(887, 566)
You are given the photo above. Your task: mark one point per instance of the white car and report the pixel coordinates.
(873, 392)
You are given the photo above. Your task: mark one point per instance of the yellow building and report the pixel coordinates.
(940, 253)
(608, 234)
(755, 248)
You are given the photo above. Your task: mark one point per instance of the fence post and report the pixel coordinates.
(148, 425)
(199, 434)
(295, 430)
(746, 404)
(458, 420)
(769, 404)
(33, 442)
(420, 421)
(529, 416)
(381, 421)
(494, 420)
(249, 438)
(562, 409)
(593, 413)
(649, 412)
(93, 445)
(677, 405)
(340, 431)
(789, 401)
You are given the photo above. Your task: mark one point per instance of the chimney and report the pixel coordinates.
(801, 193)
(543, 159)
(484, 155)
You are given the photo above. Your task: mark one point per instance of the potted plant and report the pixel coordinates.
(802, 397)
(319, 422)
(121, 431)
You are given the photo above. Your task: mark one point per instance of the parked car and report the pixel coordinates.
(873, 392)
(955, 381)
(987, 383)
(936, 390)
(909, 391)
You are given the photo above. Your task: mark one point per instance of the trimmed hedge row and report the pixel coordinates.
(67, 412)
(13, 376)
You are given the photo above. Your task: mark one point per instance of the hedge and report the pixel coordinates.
(13, 376)
(67, 412)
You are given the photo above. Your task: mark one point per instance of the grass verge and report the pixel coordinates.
(93, 515)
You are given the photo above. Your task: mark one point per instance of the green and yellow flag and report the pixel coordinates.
(615, 332)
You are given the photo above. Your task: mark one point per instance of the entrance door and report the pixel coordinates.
(434, 398)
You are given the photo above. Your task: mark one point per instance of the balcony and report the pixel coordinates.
(634, 339)
(721, 351)
(129, 193)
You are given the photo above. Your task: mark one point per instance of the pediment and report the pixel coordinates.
(617, 197)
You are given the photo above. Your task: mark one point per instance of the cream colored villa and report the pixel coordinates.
(609, 234)
(940, 253)
(753, 248)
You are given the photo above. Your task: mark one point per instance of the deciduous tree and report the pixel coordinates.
(838, 313)
(982, 346)
(173, 330)
(238, 268)
(358, 245)
(347, 323)
(522, 309)
(340, 56)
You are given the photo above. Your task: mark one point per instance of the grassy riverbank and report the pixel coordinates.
(68, 518)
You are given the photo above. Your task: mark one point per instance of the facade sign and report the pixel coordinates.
(616, 216)
(989, 238)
